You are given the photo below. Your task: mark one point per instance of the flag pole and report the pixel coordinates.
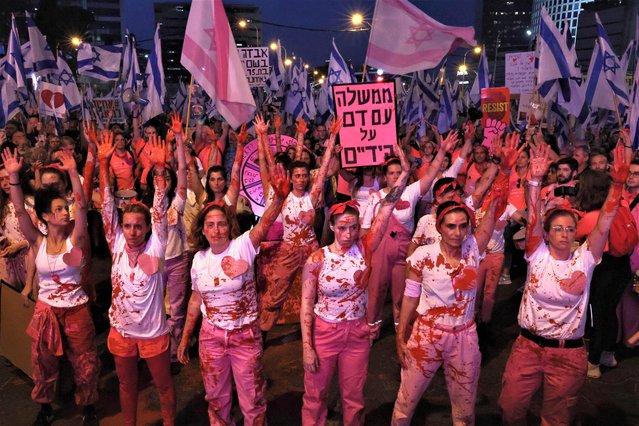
(614, 95)
(364, 74)
(188, 109)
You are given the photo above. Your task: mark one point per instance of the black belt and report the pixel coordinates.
(552, 343)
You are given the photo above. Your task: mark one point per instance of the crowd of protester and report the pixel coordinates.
(441, 223)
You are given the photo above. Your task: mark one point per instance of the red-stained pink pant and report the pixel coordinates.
(223, 352)
(487, 279)
(430, 346)
(279, 273)
(562, 372)
(177, 280)
(78, 341)
(388, 266)
(344, 345)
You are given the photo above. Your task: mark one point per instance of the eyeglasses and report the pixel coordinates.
(633, 174)
(559, 228)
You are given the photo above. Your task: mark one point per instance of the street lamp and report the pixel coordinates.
(244, 23)
(273, 46)
(288, 62)
(358, 22)
(76, 41)
(477, 50)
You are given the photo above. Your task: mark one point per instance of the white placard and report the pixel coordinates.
(256, 64)
(520, 72)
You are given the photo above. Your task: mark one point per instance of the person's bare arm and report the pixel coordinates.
(310, 274)
(409, 306)
(302, 128)
(234, 188)
(619, 173)
(281, 187)
(447, 144)
(318, 185)
(539, 163)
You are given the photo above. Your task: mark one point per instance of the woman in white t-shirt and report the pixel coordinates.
(224, 292)
(62, 321)
(550, 350)
(333, 311)
(389, 260)
(137, 315)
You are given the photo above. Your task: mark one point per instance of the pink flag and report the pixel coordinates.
(404, 39)
(210, 55)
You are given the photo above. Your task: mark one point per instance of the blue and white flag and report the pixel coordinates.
(447, 110)
(9, 105)
(555, 58)
(100, 62)
(633, 114)
(598, 91)
(612, 69)
(322, 104)
(130, 69)
(338, 73)
(13, 67)
(155, 89)
(296, 103)
(64, 78)
(559, 117)
(41, 56)
(275, 81)
(572, 92)
(482, 81)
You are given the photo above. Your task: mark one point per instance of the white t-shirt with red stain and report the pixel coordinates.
(59, 283)
(137, 299)
(404, 209)
(448, 292)
(226, 282)
(298, 214)
(341, 293)
(556, 293)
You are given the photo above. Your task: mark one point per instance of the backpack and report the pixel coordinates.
(623, 235)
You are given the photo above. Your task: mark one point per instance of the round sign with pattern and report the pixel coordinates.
(251, 183)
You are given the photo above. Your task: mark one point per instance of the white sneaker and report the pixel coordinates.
(593, 371)
(608, 359)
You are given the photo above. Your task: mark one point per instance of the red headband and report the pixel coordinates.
(134, 201)
(388, 160)
(457, 206)
(564, 209)
(341, 208)
(214, 203)
(452, 186)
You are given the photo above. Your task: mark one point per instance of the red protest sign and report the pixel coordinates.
(370, 129)
(495, 105)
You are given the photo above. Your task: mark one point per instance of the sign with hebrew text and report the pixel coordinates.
(369, 131)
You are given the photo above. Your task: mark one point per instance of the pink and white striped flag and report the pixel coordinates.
(404, 39)
(210, 55)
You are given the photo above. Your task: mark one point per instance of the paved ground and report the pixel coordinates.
(611, 400)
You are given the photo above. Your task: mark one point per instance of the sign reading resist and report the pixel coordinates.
(256, 64)
(369, 130)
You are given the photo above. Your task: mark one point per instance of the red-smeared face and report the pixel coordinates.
(216, 230)
(346, 229)
(454, 228)
(59, 213)
(392, 174)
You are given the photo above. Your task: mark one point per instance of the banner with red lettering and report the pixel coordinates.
(495, 105)
(370, 129)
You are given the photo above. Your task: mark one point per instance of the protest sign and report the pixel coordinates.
(51, 99)
(255, 62)
(370, 130)
(102, 106)
(15, 344)
(520, 72)
(495, 105)
(250, 180)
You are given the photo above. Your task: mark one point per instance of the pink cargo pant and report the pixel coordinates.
(177, 280)
(78, 342)
(561, 371)
(430, 346)
(388, 266)
(240, 352)
(346, 345)
(487, 279)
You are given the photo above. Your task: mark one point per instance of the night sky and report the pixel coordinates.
(314, 47)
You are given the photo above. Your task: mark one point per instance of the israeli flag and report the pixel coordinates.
(338, 73)
(13, 66)
(611, 67)
(482, 81)
(555, 58)
(100, 62)
(447, 111)
(130, 69)
(64, 78)
(41, 56)
(275, 81)
(155, 89)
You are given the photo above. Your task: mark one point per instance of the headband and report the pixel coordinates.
(134, 201)
(389, 159)
(451, 186)
(337, 209)
(214, 204)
